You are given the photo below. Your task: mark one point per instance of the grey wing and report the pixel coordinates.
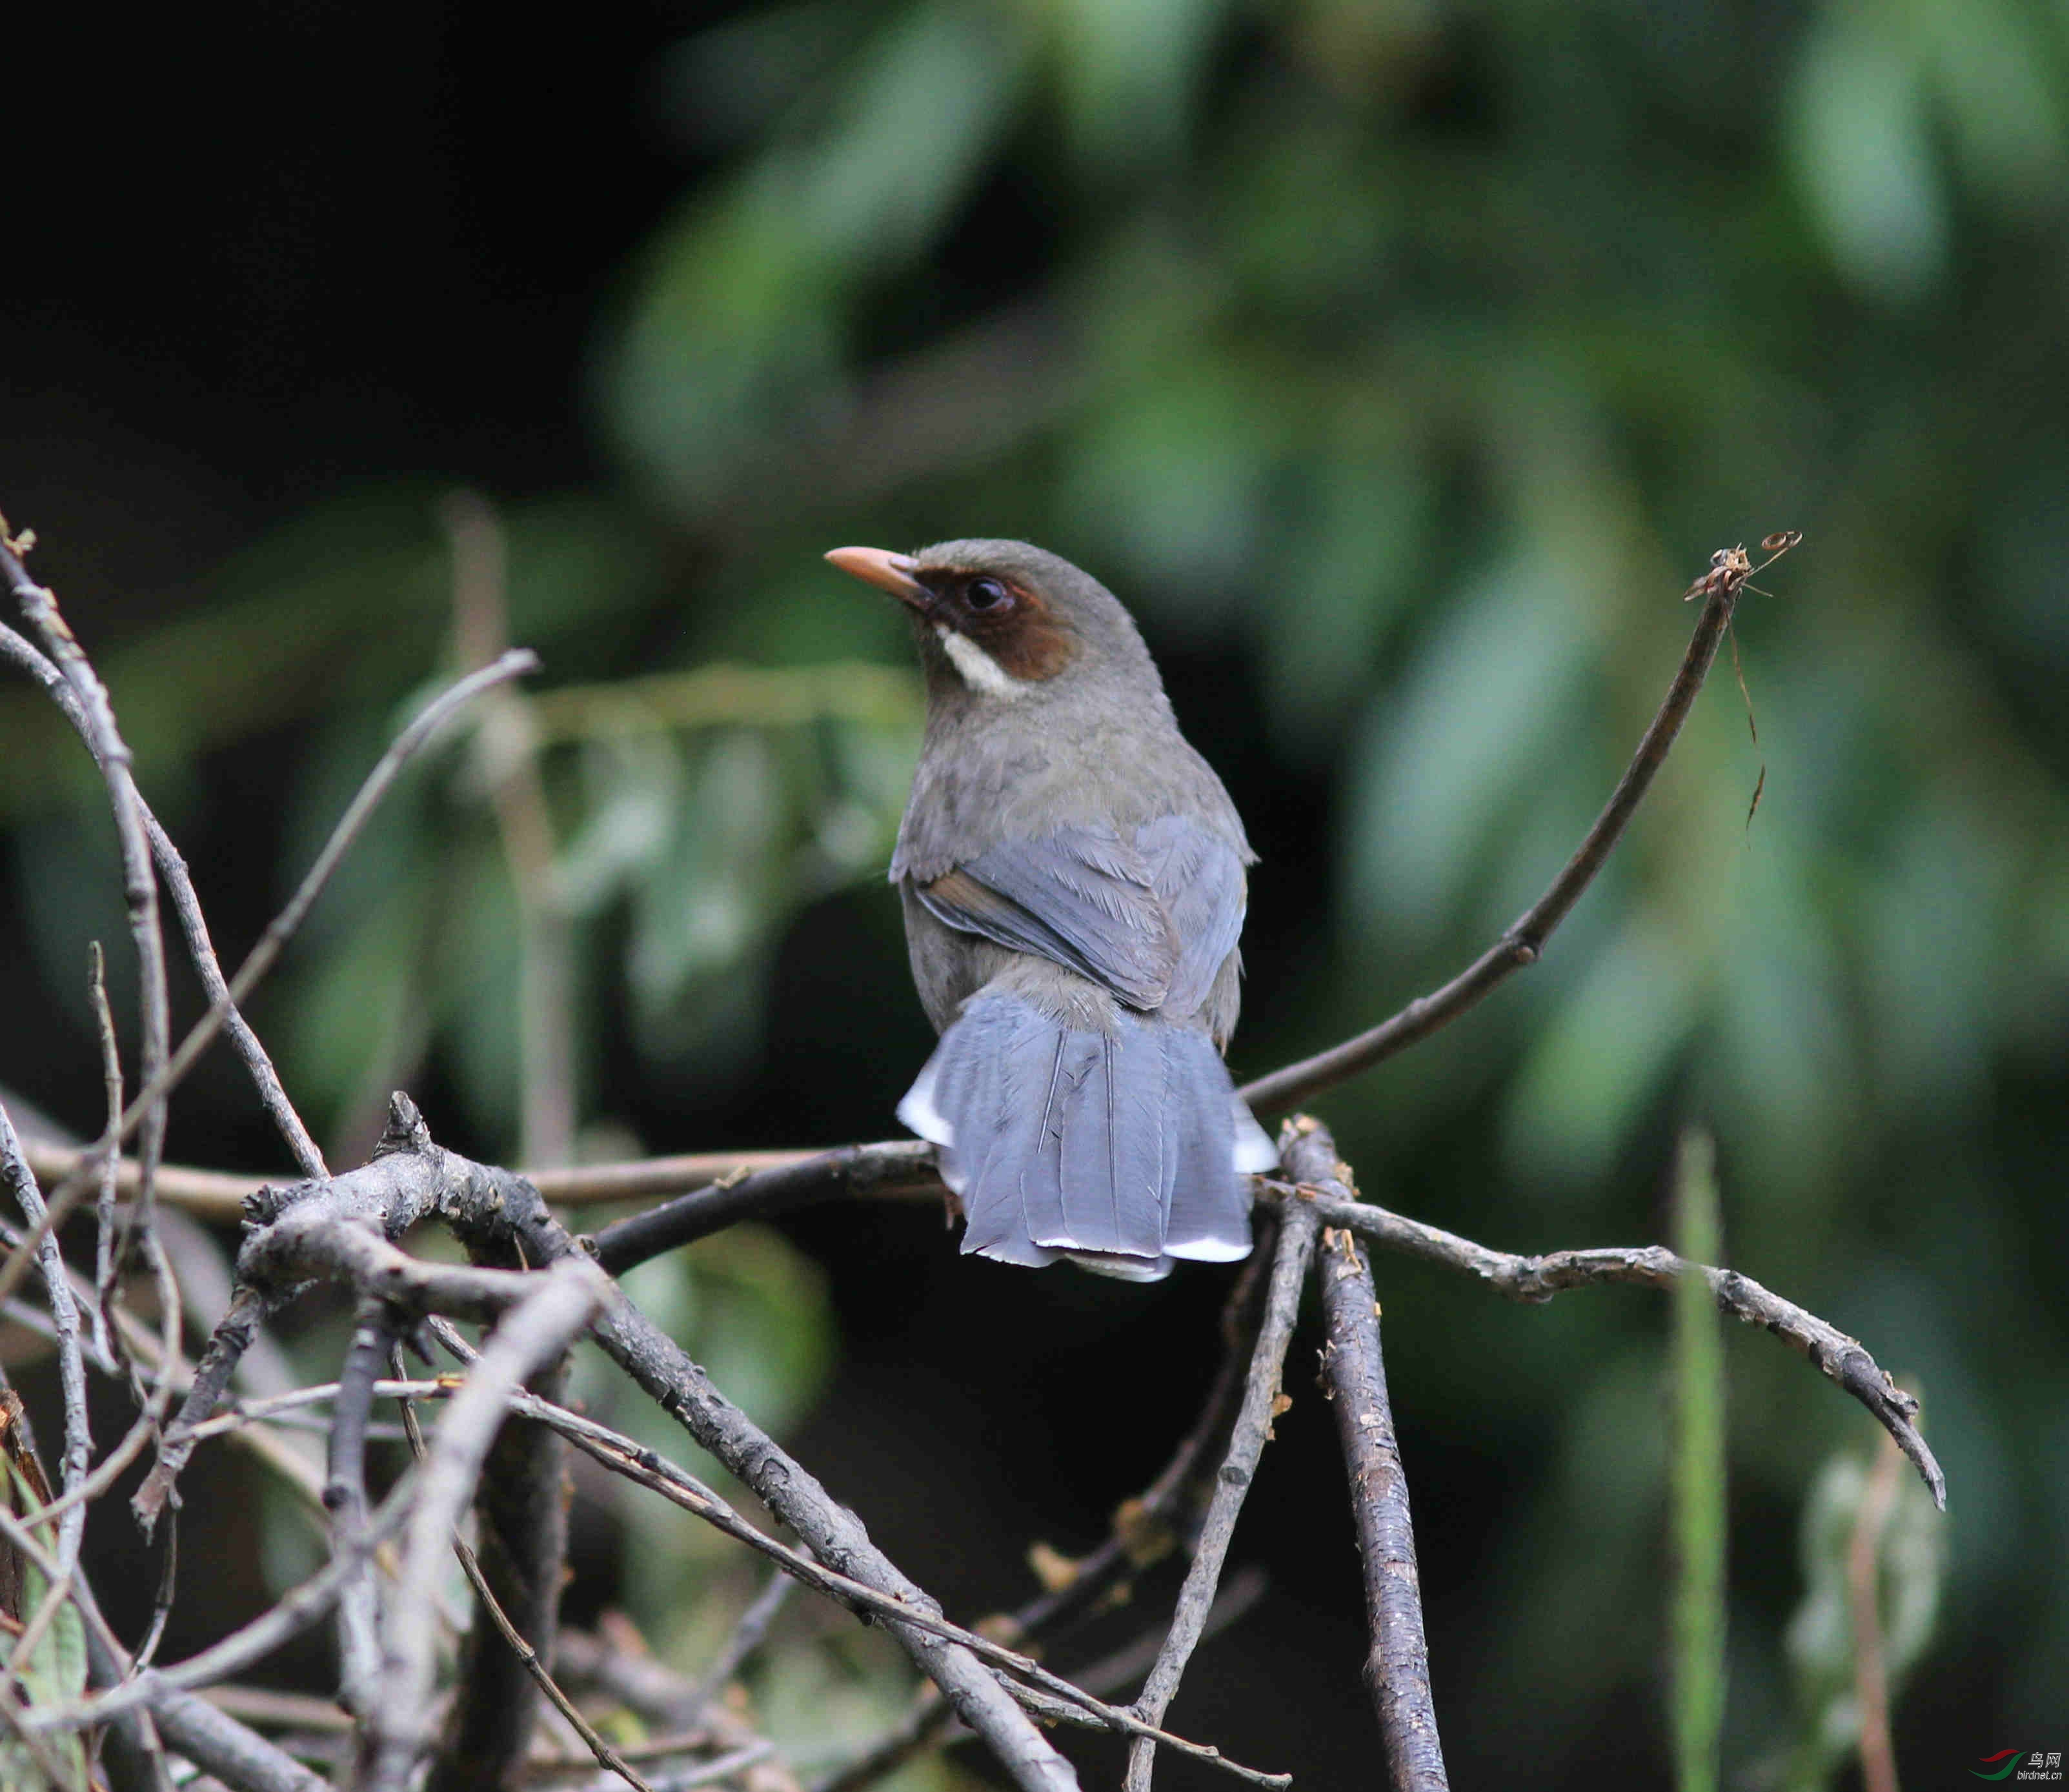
(1198, 877)
(1081, 897)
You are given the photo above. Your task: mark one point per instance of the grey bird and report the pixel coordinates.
(1073, 877)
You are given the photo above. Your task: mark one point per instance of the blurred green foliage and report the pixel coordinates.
(1909, 1558)
(1418, 354)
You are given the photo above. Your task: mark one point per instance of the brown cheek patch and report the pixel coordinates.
(1031, 644)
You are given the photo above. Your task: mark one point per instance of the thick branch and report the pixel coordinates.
(1397, 1667)
(1840, 1358)
(341, 1229)
(833, 1533)
(1519, 946)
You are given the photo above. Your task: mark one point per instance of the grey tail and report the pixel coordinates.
(1120, 1151)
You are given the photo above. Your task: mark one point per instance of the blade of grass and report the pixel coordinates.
(1699, 1477)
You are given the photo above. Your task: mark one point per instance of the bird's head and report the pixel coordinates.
(999, 621)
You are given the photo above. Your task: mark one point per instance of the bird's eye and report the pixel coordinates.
(985, 593)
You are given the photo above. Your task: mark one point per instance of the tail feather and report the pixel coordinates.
(1119, 1149)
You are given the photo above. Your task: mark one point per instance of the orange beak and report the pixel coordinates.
(887, 572)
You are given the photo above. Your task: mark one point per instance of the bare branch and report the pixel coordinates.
(344, 1498)
(1246, 1441)
(1147, 1527)
(281, 1622)
(536, 1332)
(521, 1528)
(140, 887)
(1397, 1667)
(110, 1077)
(187, 904)
(232, 1338)
(852, 1170)
(489, 1770)
(78, 1458)
(742, 1640)
(1840, 1358)
(283, 926)
(905, 1165)
(636, 1463)
(663, 1698)
(507, 740)
(1520, 945)
(217, 1743)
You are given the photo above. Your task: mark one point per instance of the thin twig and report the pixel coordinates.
(1839, 1358)
(904, 1167)
(344, 1499)
(111, 1077)
(743, 1639)
(1354, 1373)
(660, 1696)
(535, 1333)
(130, 1754)
(77, 1460)
(1520, 945)
(283, 925)
(1239, 1593)
(213, 1739)
(506, 740)
(637, 1464)
(704, 1773)
(606, 1757)
(1864, 1599)
(80, 1494)
(281, 1622)
(1246, 1440)
(231, 1338)
(1147, 1526)
(187, 904)
(140, 886)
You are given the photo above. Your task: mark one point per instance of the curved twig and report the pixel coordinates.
(140, 886)
(187, 905)
(283, 926)
(1838, 1357)
(1520, 945)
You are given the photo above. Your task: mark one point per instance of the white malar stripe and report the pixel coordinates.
(980, 670)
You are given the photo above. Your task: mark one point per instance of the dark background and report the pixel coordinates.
(1399, 365)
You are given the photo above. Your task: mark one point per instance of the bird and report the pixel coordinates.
(1074, 878)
